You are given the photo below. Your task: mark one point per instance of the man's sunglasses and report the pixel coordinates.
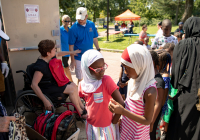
(67, 21)
(97, 70)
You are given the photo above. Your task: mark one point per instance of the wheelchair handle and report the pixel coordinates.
(18, 71)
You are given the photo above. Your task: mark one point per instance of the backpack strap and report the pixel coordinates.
(57, 122)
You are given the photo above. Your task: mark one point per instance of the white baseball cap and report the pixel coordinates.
(81, 12)
(2, 34)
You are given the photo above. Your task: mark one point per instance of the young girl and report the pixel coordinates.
(97, 90)
(141, 95)
(165, 62)
(158, 104)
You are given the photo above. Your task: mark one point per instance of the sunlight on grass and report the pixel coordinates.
(120, 42)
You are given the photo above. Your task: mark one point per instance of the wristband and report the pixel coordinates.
(99, 49)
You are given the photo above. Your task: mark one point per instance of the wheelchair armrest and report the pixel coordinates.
(18, 71)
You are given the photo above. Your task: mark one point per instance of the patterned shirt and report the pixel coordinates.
(160, 41)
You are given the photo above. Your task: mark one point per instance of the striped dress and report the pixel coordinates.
(131, 130)
(110, 132)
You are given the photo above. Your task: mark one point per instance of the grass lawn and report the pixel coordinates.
(120, 43)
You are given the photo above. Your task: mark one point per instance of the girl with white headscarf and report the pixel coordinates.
(141, 95)
(97, 90)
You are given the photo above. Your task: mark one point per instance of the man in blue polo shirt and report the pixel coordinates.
(64, 37)
(82, 35)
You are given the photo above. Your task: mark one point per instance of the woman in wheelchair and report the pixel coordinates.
(42, 72)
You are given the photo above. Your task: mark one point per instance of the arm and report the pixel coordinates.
(63, 53)
(153, 45)
(158, 106)
(165, 96)
(149, 97)
(95, 40)
(34, 85)
(72, 65)
(120, 77)
(117, 97)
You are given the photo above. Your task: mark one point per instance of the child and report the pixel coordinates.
(158, 104)
(160, 41)
(165, 62)
(97, 90)
(169, 47)
(178, 35)
(123, 79)
(141, 95)
(146, 41)
(123, 82)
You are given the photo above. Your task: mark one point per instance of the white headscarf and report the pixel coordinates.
(138, 58)
(89, 83)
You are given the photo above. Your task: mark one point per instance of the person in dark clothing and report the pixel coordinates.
(180, 28)
(160, 85)
(184, 123)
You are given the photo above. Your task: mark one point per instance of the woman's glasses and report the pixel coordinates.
(97, 70)
(66, 21)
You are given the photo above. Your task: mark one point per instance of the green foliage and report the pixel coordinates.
(196, 10)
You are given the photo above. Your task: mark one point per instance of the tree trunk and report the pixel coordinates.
(94, 20)
(177, 10)
(188, 10)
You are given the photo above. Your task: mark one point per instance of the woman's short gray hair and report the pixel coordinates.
(64, 17)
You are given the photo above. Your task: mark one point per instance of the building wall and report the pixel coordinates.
(25, 35)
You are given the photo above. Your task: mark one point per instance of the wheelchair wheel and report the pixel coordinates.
(30, 105)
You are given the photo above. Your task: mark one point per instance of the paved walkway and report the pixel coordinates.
(113, 61)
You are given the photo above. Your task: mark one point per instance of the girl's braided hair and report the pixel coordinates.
(155, 58)
(164, 60)
(169, 46)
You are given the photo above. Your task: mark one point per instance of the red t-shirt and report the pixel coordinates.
(97, 103)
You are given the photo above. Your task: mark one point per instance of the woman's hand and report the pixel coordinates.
(5, 122)
(47, 105)
(115, 107)
(77, 51)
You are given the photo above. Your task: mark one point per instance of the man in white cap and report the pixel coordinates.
(82, 35)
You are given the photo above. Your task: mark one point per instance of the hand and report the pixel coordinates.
(72, 65)
(122, 85)
(5, 122)
(77, 51)
(115, 107)
(5, 69)
(48, 105)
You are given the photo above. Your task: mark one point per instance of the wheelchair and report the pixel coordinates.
(29, 104)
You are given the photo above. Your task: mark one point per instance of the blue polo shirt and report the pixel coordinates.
(64, 37)
(82, 37)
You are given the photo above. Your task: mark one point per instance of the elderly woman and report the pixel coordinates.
(64, 36)
(47, 50)
(143, 33)
(184, 123)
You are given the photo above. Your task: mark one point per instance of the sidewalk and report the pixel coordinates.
(113, 61)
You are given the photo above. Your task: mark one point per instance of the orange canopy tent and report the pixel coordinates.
(127, 15)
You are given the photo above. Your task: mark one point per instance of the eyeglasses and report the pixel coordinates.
(100, 69)
(66, 21)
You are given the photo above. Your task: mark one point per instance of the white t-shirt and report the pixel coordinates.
(160, 41)
(159, 33)
(147, 46)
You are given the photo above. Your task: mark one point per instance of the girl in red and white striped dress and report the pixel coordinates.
(139, 105)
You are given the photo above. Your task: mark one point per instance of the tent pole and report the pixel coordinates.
(139, 26)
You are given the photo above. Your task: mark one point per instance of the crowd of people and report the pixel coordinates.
(157, 92)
